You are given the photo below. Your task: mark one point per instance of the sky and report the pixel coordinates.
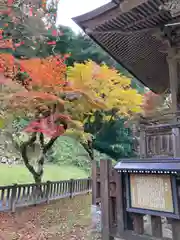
(72, 8)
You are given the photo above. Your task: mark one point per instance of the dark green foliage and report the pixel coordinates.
(115, 140)
(110, 137)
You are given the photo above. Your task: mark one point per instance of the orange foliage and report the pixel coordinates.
(6, 63)
(39, 92)
(150, 103)
(47, 78)
(45, 73)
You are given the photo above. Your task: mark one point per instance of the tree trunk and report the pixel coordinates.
(37, 178)
(38, 192)
(37, 174)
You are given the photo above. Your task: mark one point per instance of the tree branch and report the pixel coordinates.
(23, 149)
(48, 145)
(41, 139)
(89, 149)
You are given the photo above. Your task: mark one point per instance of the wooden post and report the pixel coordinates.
(94, 182)
(88, 185)
(156, 226)
(174, 86)
(48, 191)
(173, 77)
(119, 203)
(105, 165)
(175, 228)
(142, 143)
(13, 198)
(71, 187)
(176, 142)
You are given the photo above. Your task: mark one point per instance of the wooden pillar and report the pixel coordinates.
(174, 84)
(105, 166)
(173, 77)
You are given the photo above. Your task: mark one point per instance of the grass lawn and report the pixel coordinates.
(19, 174)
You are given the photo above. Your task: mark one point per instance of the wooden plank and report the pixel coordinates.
(138, 223)
(143, 152)
(119, 203)
(71, 187)
(156, 226)
(94, 183)
(13, 198)
(105, 165)
(48, 187)
(175, 229)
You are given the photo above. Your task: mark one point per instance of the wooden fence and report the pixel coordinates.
(20, 195)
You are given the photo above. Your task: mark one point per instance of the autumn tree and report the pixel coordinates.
(114, 90)
(41, 96)
(27, 28)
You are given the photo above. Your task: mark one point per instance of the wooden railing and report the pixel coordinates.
(20, 195)
(158, 140)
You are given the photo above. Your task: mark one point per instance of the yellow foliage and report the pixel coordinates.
(78, 135)
(106, 85)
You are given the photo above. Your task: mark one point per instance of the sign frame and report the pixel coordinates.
(176, 211)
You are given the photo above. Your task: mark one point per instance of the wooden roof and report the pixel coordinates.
(127, 30)
(153, 165)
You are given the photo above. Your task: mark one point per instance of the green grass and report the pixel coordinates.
(19, 174)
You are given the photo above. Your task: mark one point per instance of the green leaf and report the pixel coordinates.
(2, 123)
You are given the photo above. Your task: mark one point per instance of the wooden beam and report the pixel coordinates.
(118, 31)
(91, 20)
(112, 10)
(127, 5)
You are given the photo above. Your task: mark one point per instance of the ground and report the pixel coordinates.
(10, 174)
(65, 219)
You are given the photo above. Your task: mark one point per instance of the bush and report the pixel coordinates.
(67, 151)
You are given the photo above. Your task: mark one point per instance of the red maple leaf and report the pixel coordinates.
(48, 125)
